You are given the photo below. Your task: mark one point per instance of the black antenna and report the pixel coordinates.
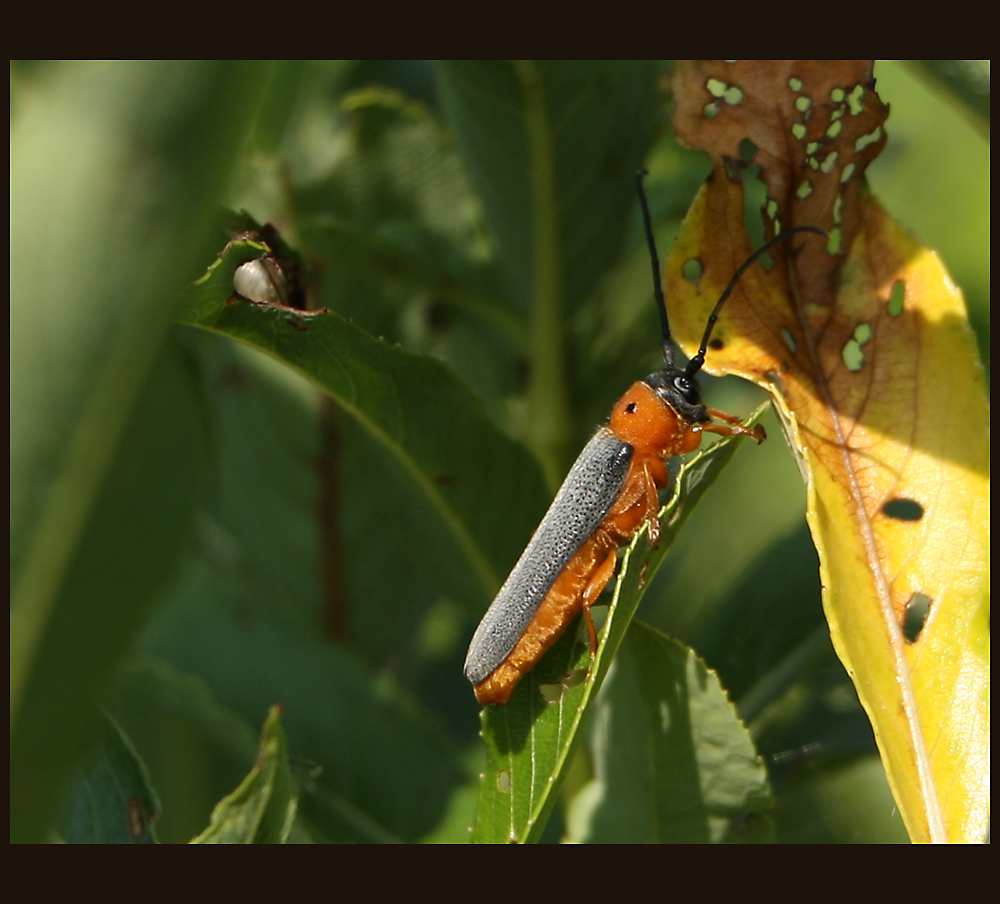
(668, 343)
(696, 363)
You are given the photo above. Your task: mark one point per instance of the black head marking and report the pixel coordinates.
(680, 391)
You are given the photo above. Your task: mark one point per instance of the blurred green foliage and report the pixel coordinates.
(197, 535)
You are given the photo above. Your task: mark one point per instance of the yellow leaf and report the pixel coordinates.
(865, 345)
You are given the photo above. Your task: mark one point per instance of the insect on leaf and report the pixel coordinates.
(530, 740)
(865, 345)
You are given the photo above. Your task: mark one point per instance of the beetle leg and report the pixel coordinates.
(652, 510)
(592, 591)
(732, 426)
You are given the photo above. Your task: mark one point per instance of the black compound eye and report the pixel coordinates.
(687, 388)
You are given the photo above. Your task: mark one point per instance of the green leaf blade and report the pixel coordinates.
(673, 763)
(114, 170)
(428, 426)
(112, 800)
(262, 809)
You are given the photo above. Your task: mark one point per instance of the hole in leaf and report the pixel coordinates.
(896, 298)
(833, 246)
(733, 96)
(833, 130)
(747, 150)
(804, 190)
(772, 209)
(798, 130)
(813, 162)
(729, 94)
(854, 100)
(868, 139)
(802, 104)
(837, 95)
(716, 87)
(847, 173)
(795, 83)
(710, 111)
(812, 147)
(766, 261)
(692, 269)
(550, 693)
(903, 509)
(554, 691)
(852, 355)
(754, 205)
(829, 162)
(917, 610)
(793, 346)
(503, 781)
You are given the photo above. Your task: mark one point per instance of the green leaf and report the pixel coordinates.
(112, 800)
(195, 749)
(531, 739)
(115, 168)
(380, 767)
(431, 431)
(673, 763)
(547, 146)
(262, 809)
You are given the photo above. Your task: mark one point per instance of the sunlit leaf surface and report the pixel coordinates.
(864, 342)
(673, 764)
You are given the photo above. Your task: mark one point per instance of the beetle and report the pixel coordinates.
(611, 490)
